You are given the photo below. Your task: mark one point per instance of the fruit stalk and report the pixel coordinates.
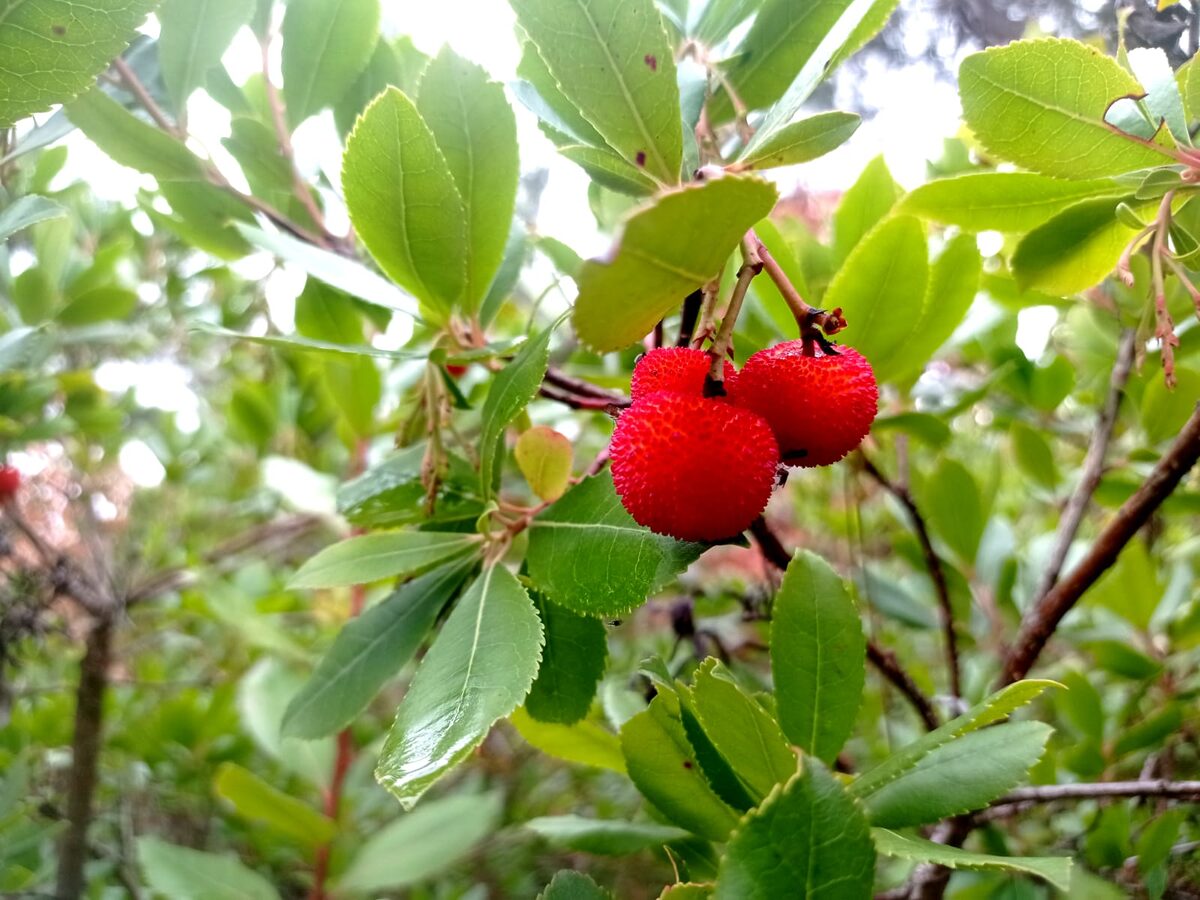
(714, 385)
(812, 321)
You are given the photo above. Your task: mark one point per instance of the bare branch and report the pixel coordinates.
(1043, 618)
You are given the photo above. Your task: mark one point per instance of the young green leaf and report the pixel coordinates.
(193, 34)
(404, 203)
(587, 554)
(130, 141)
(572, 664)
(663, 765)
(53, 49)
(1077, 248)
(1003, 201)
(26, 211)
(1041, 105)
(262, 803)
(326, 44)
(818, 655)
(583, 742)
(187, 874)
(808, 832)
(422, 843)
(369, 650)
(510, 393)
(612, 60)
(964, 775)
(393, 63)
(803, 140)
(570, 885)
(954, 506)
(477, 134)
(608, 170)
(544, 457)
(604, 837)
(666, 250)
(1056, 870)
(386, 554)
(993, 709)
(742, 731)
(478, 670)
(881, 289)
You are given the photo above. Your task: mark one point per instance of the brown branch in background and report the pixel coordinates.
(1093, 464)
(284, 136)
(688, 317)
(573, 385)
(134, 85)
(85, 757)
(1050, 793)
(1047, 612)
(883, 660)
(577, 401)
(933, 563)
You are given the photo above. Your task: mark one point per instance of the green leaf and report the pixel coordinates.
(954, 507)
(334, 270)
(1041, 105)
(742, 731)
(818, 656)
(663, 765)
(881, 289)
(130, 141)
(541, 94)
(569, 885)
(385, 554)
(686, 891)
(477, 134)
(186, 874)
(326, 44)
(583, 742)
(403, 201)
(193, 35)
(803, 140)
(992, 709)
(808, 832)
(666, 250)
(262, 803)
(587, 554)
(953, 283)
(422, 843)
(1132, 588)
(603, 836)
(572, 664)
(396, 63)
(1034, 455)
(26, 211)
(1056, 870)
(609, 171)
(53, 49)
(612, 60)
(964, 775)
(368, 651)
(1003, 201)
(717, 18)
(478, 670)
(1163, 410)
(544, 457)
(863, 206)
(510, 393)
(1163, 101)
(1074, 250)
(788, 42)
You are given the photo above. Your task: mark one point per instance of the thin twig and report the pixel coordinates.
(134, 85)
(1043, 618)
(883, 660)
(688, 317)
(933, 563)
(1050, 793)
(723, 342)
(570, 383)
(1093, 464)
(577, 401)
(807, 317)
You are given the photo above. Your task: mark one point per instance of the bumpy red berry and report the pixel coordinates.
(10, 481)
(679, 369)
(820, 407)
(691, 467)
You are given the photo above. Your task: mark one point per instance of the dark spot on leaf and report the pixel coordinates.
(641, 158)
(652, 61)
(59, 29)
(687, 763)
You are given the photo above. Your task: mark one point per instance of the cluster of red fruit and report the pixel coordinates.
(702, 468)
(10, 481)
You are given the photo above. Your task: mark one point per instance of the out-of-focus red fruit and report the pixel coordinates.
(820, 407)
(10, 481)
(455, 370)
(678, 369)
(691, 467)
